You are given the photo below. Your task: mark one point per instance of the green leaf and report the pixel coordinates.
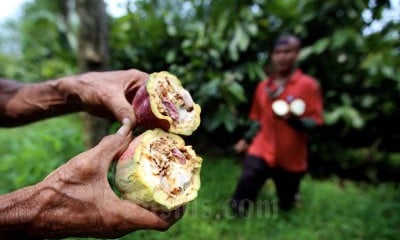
(210, 88)
(353, 117)
(340, 37)
(251, 28)
(321, 45)
(332, 117)
(348, 114)
(171, 56)
(171, 30)
(305, 53)
(240, 42)
(212, 121)
(226, 117)
(237, 91)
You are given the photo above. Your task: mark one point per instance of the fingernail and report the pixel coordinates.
(125, 128)
(126, 121)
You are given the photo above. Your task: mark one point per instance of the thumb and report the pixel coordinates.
(112, 146)
(121, 108)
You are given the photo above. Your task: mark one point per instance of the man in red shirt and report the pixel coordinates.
(285, 107)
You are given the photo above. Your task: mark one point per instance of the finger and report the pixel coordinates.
(173, 216)
(126, 127)
(146, 219)
(137, 77)
(121, 108)
(111, 147)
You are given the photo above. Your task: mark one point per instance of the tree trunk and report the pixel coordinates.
(93, 56)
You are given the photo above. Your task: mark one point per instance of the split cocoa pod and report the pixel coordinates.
(162, 102)
(158, 171)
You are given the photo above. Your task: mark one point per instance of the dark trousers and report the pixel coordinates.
(255, 172)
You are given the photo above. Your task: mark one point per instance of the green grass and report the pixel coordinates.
(328, 211)
(31, 152)
(331, 209)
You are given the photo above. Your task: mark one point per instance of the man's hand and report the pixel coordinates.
(241, 146)
(107, 94)
(104, 94)
(77, 200)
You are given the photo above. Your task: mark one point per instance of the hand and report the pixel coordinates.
(241, 146)
(78, 201)
(108, 94)
(104, 94)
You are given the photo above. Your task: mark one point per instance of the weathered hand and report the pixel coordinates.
(104, 94)
(78, 201)
(108, 94)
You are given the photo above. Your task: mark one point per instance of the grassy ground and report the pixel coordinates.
(331, 209)
(29, 153)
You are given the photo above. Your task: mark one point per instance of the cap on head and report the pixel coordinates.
(287, 39)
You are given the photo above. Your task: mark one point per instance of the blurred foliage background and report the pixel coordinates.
(220, 50)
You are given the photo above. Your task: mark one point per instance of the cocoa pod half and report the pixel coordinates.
(158, 171)
(163, 103)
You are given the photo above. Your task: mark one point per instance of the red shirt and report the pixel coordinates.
(278, 143)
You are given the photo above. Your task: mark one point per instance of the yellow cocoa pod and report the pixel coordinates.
(162, 102)
(158, 171)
